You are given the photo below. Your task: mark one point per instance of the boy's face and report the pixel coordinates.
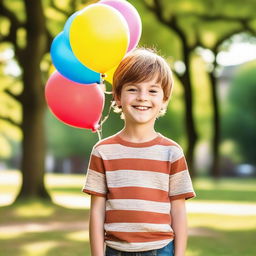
(141, 102)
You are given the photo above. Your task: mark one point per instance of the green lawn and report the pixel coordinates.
(39, 228)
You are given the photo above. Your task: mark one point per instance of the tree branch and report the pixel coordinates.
(11, 121)
(218, 17)
(15, 24)
(55, 7)
(16, 97)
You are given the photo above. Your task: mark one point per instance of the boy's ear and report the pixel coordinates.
(117, 100)
(165, 104)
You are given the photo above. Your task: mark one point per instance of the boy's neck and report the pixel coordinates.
(138, 133)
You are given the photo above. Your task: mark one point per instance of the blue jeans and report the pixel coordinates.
(168, 250)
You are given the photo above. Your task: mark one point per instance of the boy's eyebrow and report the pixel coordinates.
(155, 85)
(152, 85)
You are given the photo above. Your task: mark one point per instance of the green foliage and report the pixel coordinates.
(64, 140)
(239, 117)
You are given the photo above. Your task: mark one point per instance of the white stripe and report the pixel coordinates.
(138, 205)
(180, 183)
(177, 153)
(147, 179)
(133, 247)
(137, 227)
(96, 181)
(118, 151)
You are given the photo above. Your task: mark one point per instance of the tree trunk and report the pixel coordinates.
(215, 168)
(33, 104)
(190, 123)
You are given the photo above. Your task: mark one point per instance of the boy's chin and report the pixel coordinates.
(142, 121)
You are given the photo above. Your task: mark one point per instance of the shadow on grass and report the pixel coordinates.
(227, 243)
(226, 195)
(61, 243)
(16, 239)
(39, 210)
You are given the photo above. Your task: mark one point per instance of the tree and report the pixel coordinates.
(30, 39)
(32, 96)
(239, 116)
(193, 24)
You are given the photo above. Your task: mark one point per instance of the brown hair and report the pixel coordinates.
(142, 65)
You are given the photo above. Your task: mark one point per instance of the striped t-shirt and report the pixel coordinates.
(138, 180)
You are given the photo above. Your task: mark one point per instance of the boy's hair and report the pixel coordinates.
(142, 65)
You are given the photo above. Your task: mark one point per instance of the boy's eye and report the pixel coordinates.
(153, 91)
(131, 90)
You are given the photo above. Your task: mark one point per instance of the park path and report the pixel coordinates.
(73, 226)
(237, 209)
(224, 208)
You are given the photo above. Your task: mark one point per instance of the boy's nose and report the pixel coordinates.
(142, 96)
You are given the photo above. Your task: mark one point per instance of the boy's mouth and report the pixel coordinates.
(141, 107)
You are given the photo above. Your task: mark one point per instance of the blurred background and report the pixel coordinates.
(211, 48)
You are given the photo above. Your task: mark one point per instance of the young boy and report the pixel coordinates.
(138, 179)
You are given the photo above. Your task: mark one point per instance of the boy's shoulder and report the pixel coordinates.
(114, 139)
(109, 140)
(169, 142)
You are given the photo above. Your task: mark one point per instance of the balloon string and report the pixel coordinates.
(103, 120)
(99, 134)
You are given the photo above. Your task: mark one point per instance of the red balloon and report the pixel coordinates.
(75, 104)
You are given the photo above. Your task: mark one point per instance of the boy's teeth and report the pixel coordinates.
(142, 108)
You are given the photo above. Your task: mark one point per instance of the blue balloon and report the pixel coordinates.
(68, 24)
(68, 65)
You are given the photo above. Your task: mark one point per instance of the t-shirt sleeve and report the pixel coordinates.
(180, 184)
(95, 183)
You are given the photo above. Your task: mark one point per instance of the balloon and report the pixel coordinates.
(132, 18)
(68, 24)
(109, 75)
(68, 65)
(51, 69)
(73, 103)
(99, 37)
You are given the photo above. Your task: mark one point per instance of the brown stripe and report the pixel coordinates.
(179, 165)
(93, 193)
(137, 164)
(110, 140)
(139, 193)
(96, 164)
(167, 142)
(160, 140)
(185, 196)
(138, 237)
(117, 216)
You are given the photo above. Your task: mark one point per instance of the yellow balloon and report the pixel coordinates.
(51, 69)
(99, 37)
(109, 75)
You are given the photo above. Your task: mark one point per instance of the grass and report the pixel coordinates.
(35, 228)
(242, 190)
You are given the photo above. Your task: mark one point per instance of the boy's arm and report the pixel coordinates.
(96, 226)
(179, 226)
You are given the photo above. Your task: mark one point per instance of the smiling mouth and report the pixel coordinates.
(141, 107)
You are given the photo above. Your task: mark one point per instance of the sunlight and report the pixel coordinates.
(78, 236)
(39, 248)
(222, 222)
(34, 209)
(67, 180)
(72, 201)
(10, 234)
(238, 53)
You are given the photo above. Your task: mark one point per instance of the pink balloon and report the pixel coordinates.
(75, 104)
(132, 18)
